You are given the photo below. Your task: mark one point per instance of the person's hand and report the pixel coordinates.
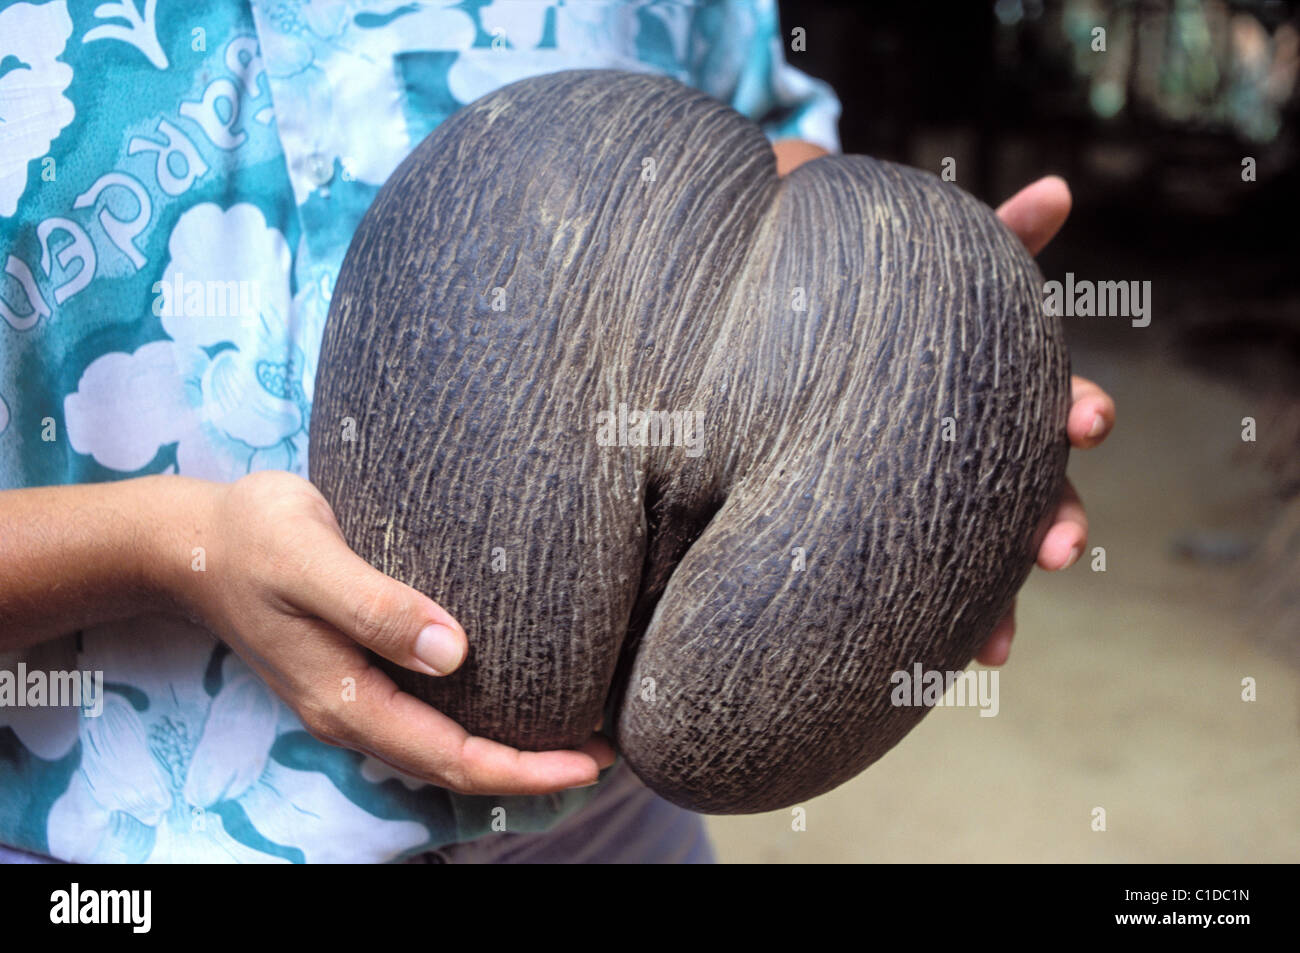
(283, 590)
(1035, 214)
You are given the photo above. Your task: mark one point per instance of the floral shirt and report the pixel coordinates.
(148, 150)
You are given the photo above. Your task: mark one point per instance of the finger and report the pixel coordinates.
(404, 732)
(1092, 414)
(1037, 211)
(1064, 542)
(491, 767)
(387, 616)
(997, 648)
(792, 153)
(344, 700)
(373, 716)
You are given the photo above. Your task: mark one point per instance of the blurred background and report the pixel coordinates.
(1127, 688)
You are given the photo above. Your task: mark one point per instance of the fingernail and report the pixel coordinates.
(439, 648)
(1071, 559)
(1098, 425)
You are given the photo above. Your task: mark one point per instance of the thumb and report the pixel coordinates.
(386, 616)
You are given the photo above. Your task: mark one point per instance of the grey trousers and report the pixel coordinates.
(625, 823)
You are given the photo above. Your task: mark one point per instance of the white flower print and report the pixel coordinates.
(226, 389)
(33, 109)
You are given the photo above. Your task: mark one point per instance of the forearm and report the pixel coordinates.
(72, 556)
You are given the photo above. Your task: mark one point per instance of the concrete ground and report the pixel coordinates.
(1124, 688)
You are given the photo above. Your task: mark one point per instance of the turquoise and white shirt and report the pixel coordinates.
(146, 146)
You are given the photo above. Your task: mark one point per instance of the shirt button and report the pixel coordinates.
(319, 170)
